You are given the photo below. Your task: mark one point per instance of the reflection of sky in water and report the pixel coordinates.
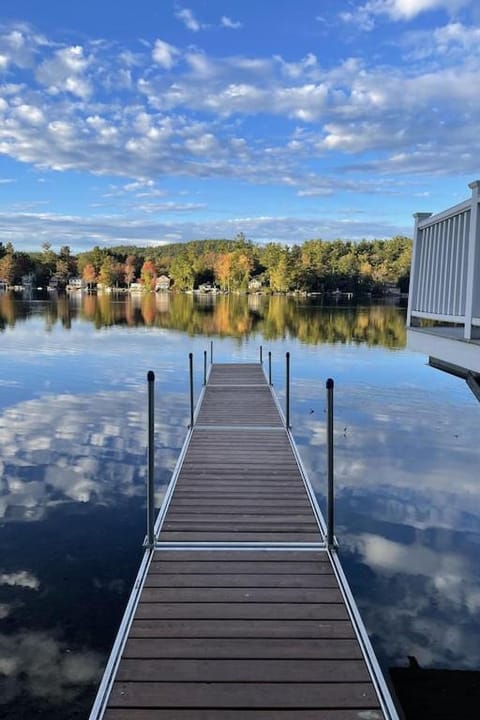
(72, 474)
(408, 518)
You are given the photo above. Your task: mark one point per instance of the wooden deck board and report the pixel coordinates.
(246, 648)
(306, 629)
(242, 611)
(244, 633)
(242, 594)
(301, 567)
(232, 580)
(236, 536)
(254, 556)
(305, 671)
(243, 714)
(243, 695)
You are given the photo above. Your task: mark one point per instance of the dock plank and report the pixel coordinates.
(306, 671)
(301, 567)
(306, 629)
(242, 611)
(243, 594)
(231, 580)
(241, 632)
(243, 714)
(240, 695)
(247, 648)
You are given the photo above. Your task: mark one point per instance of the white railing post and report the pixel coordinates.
(473, 262)
(414, 275)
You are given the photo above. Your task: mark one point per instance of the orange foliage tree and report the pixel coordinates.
(149, 275)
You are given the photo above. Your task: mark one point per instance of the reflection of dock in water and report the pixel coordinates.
(241, 609)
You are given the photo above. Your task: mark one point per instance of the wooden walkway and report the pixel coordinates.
(241, 615)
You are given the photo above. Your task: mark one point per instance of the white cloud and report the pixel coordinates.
(21, 228)
(164, 54)
(21, 578)
(298, 69)
(452, 40)
(189, 20)
(200, 64)
(65, 72)
(156, 124)
(18, 45)
(229, 23)
(396, 10)
(408, 9)
(29, 113)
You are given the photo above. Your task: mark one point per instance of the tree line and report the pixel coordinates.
(273, 317)
(230, 265)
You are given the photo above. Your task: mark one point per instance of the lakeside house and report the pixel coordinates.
(162, 283)
(76, 284)
(255, 285)
(443, 319)
(207, 288)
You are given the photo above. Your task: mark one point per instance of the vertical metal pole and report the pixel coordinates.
(204, 367)
(287, 358)
(269, 367)
(190, 359)
(211, 352)
(330, 488)
(261, 355)
(151, 460)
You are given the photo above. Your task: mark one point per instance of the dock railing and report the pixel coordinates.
(445, 274)
(327, 530)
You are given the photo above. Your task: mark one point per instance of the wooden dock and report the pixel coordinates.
(241, 611)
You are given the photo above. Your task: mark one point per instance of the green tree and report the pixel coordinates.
(107, 273)
(182, 272)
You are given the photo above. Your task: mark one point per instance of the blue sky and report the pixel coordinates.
(160, 121)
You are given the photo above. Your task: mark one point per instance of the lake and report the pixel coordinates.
(73, 469)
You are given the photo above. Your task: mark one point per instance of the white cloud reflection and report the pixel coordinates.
(74, 448)
(37, 664)
(406, 469)
(21, 578)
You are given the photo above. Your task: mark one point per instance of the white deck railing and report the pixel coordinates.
(445, 275)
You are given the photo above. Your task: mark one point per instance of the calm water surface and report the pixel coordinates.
(72, 473)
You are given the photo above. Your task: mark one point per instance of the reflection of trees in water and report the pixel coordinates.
(275, 317)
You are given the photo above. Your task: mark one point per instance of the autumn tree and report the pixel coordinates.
(65, 265)
(148, 275)
(89, 274)
(129, 270)
(241, 265)
(7, 268)
(222, 268)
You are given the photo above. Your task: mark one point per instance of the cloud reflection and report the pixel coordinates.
(21, 578)
(36, 664)
(406, 467)
(83, 449)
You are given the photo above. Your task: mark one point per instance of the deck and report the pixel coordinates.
(241, 612)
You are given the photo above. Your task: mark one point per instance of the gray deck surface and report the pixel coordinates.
(245, 632)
